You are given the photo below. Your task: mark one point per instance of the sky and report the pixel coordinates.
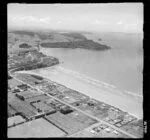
(109, 17)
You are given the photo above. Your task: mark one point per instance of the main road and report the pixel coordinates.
(91, 116)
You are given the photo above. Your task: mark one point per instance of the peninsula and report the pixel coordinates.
(58, 40)
(85, 44)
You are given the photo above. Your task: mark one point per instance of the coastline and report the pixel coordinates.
(104, 66)
(123, 102)
(99, 83)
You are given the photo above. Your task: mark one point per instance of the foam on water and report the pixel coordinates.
(97, 82)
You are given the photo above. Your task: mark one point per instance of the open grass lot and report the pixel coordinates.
(10, 111)
(15, 120)
(36, 128)
(135, 127)
(72, 122)
(13, 83)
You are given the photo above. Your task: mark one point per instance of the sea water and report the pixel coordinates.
(117, 68)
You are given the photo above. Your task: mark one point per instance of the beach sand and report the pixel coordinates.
(124, 102)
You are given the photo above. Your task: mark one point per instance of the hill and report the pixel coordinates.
(55, 39)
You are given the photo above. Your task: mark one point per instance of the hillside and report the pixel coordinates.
(55, 40)
(86, 44)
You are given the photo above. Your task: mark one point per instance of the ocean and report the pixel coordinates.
(119, 68)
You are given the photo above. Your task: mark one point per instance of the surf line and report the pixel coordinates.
(95, 82)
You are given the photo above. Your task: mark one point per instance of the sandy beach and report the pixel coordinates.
(124, 102)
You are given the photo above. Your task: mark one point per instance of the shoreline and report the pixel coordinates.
(121, 83)
(97, 82)
(132, 106)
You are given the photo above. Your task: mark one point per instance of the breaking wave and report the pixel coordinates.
(97, 82)
(90, 80)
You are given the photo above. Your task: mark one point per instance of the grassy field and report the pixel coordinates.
(36, 128)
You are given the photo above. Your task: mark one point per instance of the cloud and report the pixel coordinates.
(59, 22)
(120, 23)
(99, 22)
(25, 18)
(133, 24)
(29, 18)
(46, 20)
(13, 18)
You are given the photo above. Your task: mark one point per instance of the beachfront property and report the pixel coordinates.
(62, 109)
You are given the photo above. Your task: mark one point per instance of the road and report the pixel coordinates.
(91, 116)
